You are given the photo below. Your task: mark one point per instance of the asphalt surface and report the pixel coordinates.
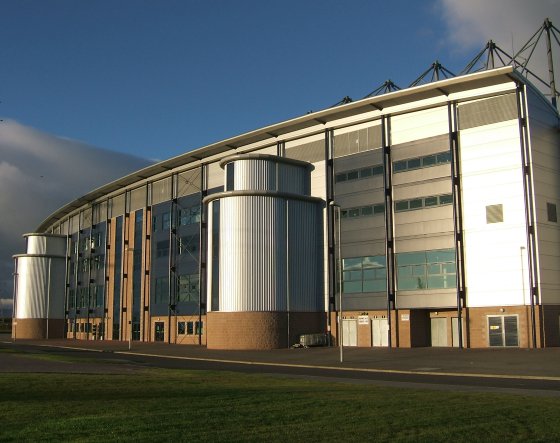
(516, 371)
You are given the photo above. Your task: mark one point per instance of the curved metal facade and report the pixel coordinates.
(270, 249)
(40, 278)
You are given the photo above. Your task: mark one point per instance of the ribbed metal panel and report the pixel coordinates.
(33, 291)
(304, 242)
(137, 198)
(117, 207)
(252, 260)
(488, 111)
(293, 179)
(255, 174)
(46, 245)
(161, 191)
(188, 182)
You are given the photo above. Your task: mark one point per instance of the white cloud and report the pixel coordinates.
(509, 23)
(41, 172)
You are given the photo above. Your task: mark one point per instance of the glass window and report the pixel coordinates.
(378, 170)
(446, 199)
(444, 157)
(165, 217)
(426, 270)
(198, 327)
(401, 206)
(429, 160)
(414, 163)
(353, 175)
(430, 201)
(400, 166)
(415, 204)
(181, 329)
(161, 295)
(351, 263)
(188, 288)
(367, 210)
(551, 212)
(190, 328)
(340, 177)
(379, 209)
(354, 212)
(366, 172)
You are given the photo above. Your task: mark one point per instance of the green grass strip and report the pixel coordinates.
(162, 405)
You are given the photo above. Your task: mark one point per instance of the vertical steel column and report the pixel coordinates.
(329, 166)
(529, 208)
(67, 278)
(77, 283)
(389, 221)
(457, 215)
(172, 259)
(125, 267)
(547, 25)
(202, 258)
(146, 272)
(105, 276)
(89, 279)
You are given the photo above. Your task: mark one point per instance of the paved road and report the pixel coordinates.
(528, 372)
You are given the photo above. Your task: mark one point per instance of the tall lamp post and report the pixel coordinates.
(336, 208)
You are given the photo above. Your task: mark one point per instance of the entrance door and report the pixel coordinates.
(439, 331)
(502, 330)
(349, 332)
(379, 332)
(160, 331)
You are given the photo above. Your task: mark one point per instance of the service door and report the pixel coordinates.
(439, 331)
(349, 332)
(160, 331)
(379, 332)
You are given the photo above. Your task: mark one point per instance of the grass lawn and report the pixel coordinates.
(164, 405)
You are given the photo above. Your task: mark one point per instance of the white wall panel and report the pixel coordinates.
(419, 124)
(496, 274)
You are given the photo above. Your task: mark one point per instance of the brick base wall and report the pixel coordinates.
(260, 330)
(36, 328)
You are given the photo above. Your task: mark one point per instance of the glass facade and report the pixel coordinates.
(364, 274)
(426, 270)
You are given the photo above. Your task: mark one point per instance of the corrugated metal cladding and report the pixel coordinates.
(488, 111)
(46, 245)
(361, 140)
(259, 237)
(304, 243)
(116, 206)
(161, 190)
(137, 198)
(254, 174)
(252, 259)
(293, 179)
(34, 293)
(310, 152)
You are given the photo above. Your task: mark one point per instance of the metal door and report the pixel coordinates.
(439, 331)
(160, 331)
(349, 332)
(379, 332)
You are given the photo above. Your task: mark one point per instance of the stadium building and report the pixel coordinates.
(426, 216)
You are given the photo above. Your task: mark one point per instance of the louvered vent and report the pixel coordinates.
(488, 111)
(309, 152)
(357, 141)
(494, 214)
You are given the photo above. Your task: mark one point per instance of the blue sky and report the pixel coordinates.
(157, 78)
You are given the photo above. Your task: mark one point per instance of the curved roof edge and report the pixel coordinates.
(275, 131)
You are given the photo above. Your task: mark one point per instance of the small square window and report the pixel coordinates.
(378, 170)
(190, 328)
(353, 175)
(446, 199)
(416, 203)
(379, 209)
(551, 211)
(494, 214)
(430, 201)
(355, 212)
(414, 163)
(366, 172)
(401, 206)
(399, 166)
(429, 160)
(367, 210)
(340, 177)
